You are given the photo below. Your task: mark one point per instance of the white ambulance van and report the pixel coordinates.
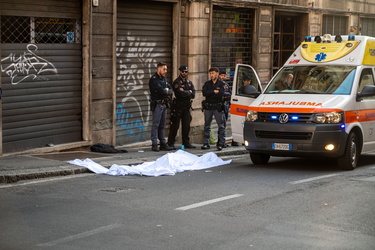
(321, 103)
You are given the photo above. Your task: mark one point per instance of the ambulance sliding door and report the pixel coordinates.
(366, 106)
(246, 87)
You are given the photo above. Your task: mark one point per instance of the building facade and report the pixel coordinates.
(75, 72)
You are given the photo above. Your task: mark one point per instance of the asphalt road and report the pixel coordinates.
(290, 203)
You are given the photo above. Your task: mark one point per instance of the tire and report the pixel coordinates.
(259, 158)
(351, 154)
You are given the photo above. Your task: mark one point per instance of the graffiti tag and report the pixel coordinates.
(26, 66)
(133, 127)
(135, 60)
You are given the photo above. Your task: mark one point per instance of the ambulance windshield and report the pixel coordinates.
(327, 79)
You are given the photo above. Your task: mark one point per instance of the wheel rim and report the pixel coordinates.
(353, 152)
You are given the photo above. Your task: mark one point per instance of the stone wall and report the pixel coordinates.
(103, 73)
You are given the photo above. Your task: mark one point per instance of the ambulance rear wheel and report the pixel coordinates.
(351, 154)
(259, 158)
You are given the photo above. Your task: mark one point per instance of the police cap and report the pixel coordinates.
(183, 67)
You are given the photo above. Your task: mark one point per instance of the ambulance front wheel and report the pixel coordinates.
(351, 154)
(259, 158)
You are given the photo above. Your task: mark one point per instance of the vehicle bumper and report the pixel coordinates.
(305, 139)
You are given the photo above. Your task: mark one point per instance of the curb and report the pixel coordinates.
(15, 176)
(7, 177)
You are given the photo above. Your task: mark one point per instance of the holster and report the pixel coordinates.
(220, 106)
(152, 105)
(204, 105)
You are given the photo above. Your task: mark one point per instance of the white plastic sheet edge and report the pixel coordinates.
(168, 164)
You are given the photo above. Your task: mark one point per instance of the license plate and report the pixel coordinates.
(281, 146)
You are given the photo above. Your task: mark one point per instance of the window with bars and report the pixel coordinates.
(19, 29)
(368, 26)
(231, 38)
(335, 25)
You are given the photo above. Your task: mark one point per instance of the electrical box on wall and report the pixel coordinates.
(95, 3)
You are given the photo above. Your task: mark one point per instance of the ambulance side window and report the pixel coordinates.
(367, 79)
(247, 83)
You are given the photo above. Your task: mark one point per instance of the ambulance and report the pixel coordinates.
(321, 103)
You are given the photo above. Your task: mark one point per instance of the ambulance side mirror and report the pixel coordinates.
(366, 91)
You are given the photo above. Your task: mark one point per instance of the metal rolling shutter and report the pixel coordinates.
(41, 73)
(231, 44)
(144, 38)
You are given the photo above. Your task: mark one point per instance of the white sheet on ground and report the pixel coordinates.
(169, 164)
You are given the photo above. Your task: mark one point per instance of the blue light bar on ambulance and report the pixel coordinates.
(318, 39)
(294, 117)
(338, 38)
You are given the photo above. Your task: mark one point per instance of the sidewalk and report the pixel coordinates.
(23, 167)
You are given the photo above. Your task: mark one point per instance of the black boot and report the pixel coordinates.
(165, 147)
(155, 147)
(188, 145)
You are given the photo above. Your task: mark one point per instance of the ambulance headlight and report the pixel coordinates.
(329, 117)
(251, 116)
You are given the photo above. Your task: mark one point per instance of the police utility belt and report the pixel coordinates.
(153, 103)
(162, 101)
(212, 106)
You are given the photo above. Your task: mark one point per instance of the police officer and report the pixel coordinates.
(213, 90)
(184, 91)
(227, 93)
(226, 97)
(161, 93)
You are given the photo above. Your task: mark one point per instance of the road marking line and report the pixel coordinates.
(47, 179)
(79, 236)
(372, 178)
(203, 203)
(313, 179)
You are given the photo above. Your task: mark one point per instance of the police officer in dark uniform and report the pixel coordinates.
(227, 93)
(213, 90)
(226, 98)
(181, 106)
(161, 93)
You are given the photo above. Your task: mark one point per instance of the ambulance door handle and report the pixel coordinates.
(236, 100)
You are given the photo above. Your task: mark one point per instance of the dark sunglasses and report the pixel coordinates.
(184, 71)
